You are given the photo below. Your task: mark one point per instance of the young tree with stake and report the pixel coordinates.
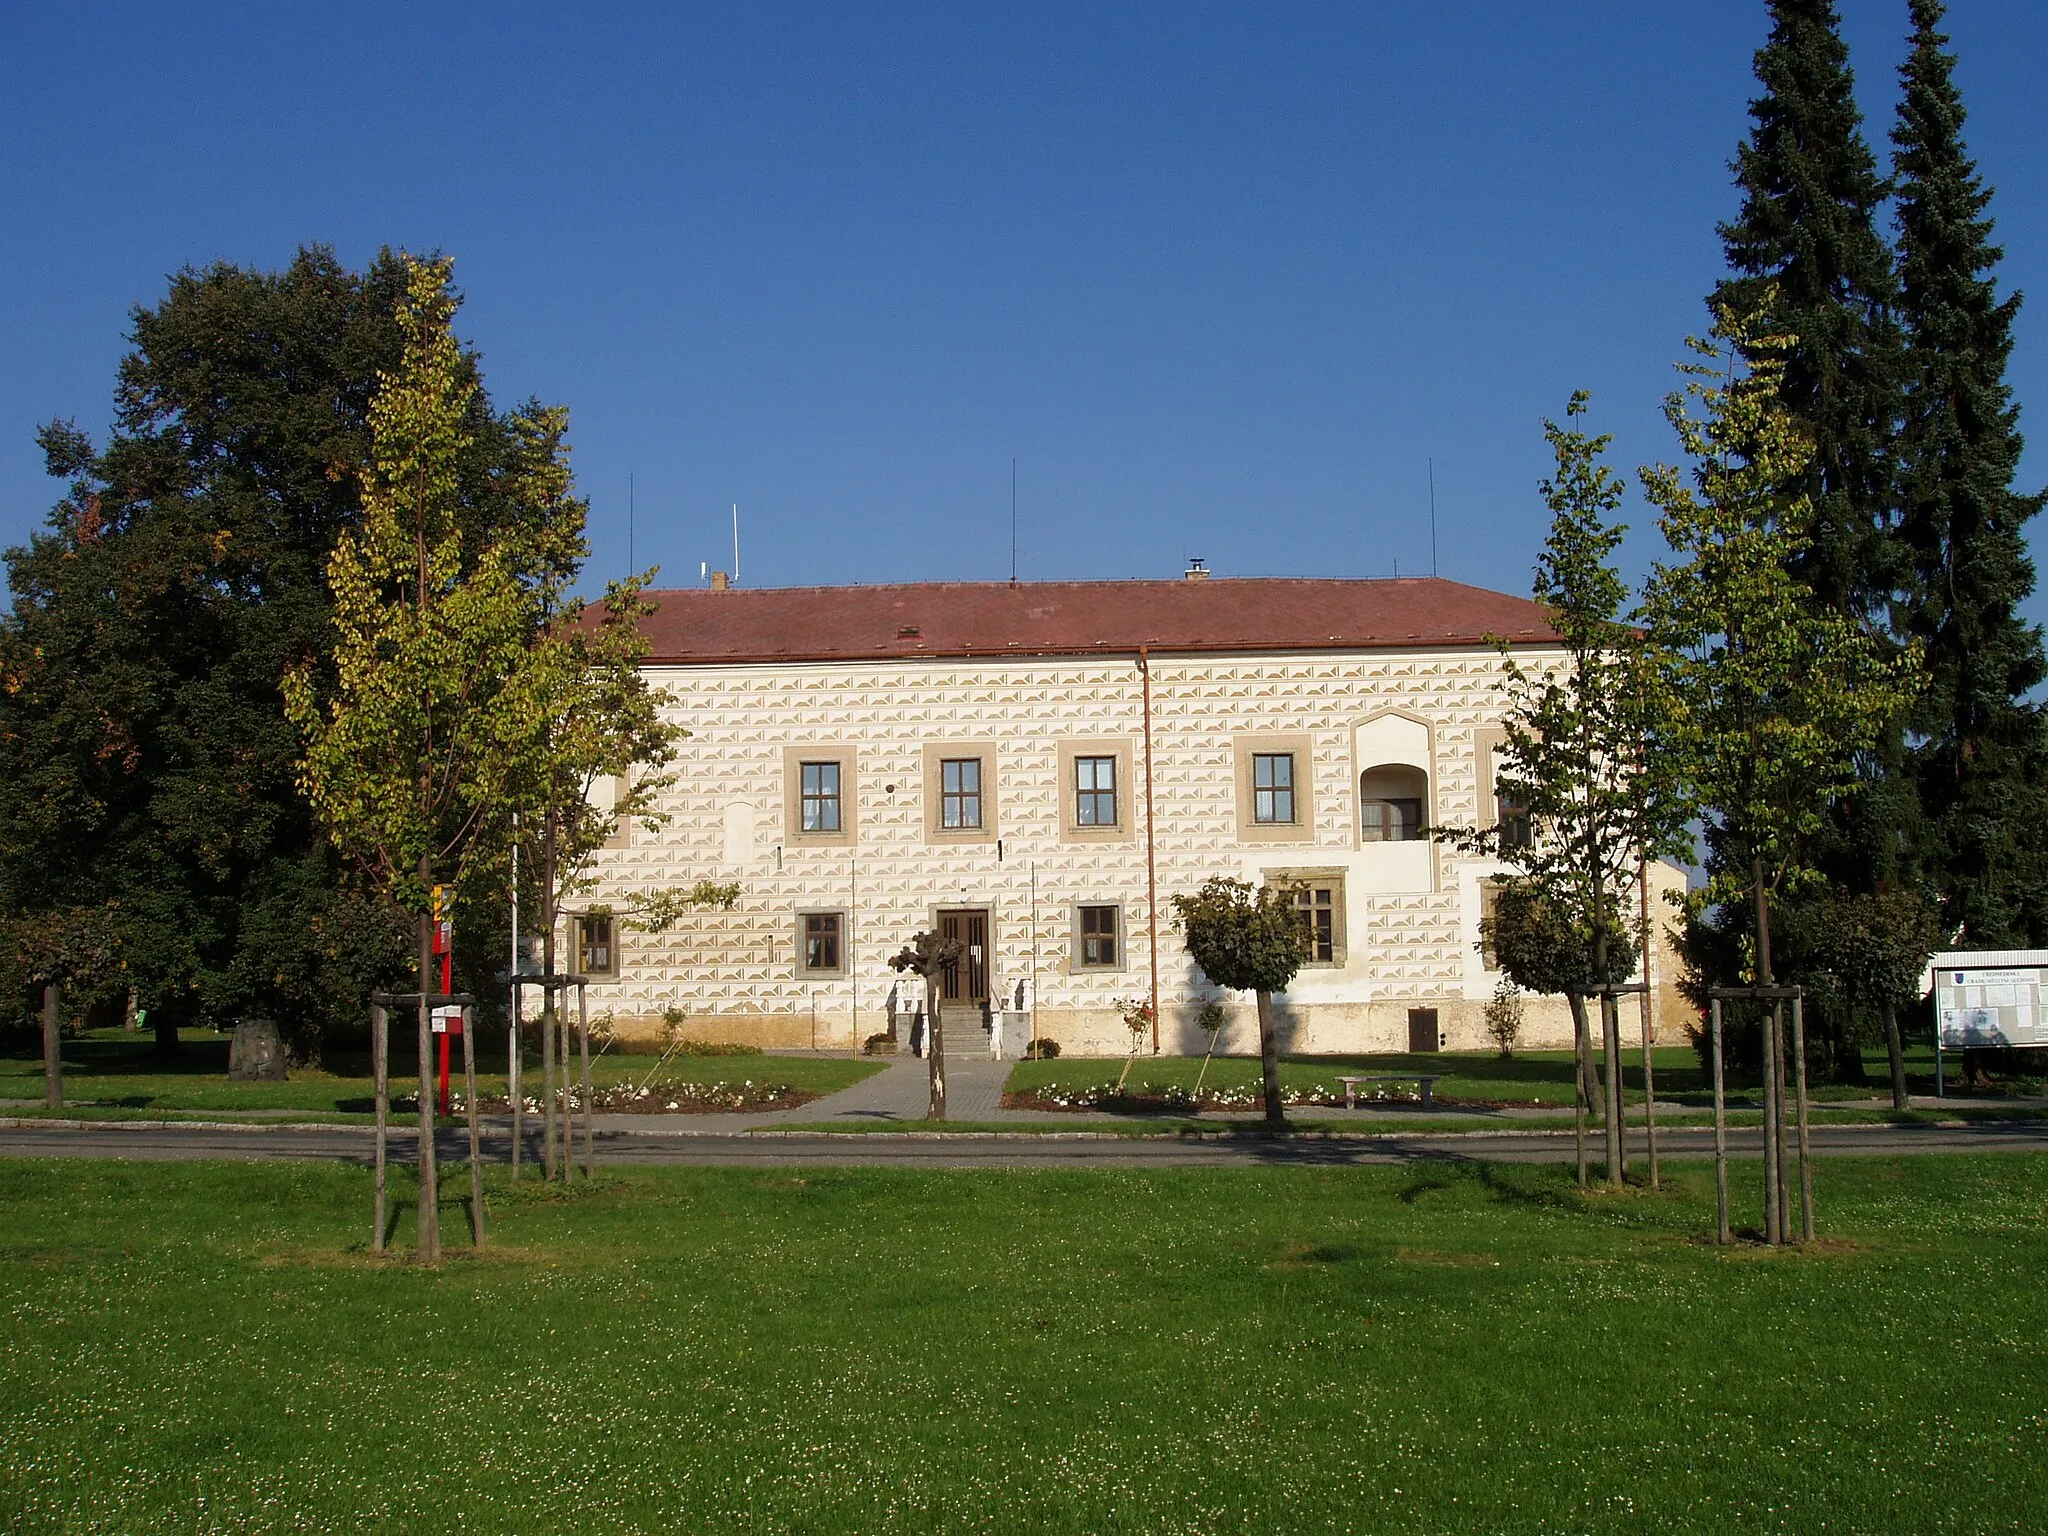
(1587, 807)
(408, 760)
(1774, 697)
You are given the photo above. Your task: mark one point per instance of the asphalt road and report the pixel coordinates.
(354, 1144)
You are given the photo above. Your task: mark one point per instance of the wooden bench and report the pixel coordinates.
(1427, 1080)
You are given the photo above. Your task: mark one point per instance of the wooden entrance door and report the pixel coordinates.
(967, 981)
(1422, 1029)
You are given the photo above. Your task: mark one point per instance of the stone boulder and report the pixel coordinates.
(256, 1054)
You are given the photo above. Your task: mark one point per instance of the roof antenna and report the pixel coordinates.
(1013, 520)
(735, 543)
(629, 525)
(1432, 517)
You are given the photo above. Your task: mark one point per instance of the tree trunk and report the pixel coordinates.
(1579, 1096)
(550, 1002)
(1895, 1048)
(1773, 1066)
(164, 1019)
(935, 1048)
(53, 1050)
(1269, 1060)
(1643, 998)
(1610, 1040)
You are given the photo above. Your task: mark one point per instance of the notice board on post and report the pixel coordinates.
(1990, 997)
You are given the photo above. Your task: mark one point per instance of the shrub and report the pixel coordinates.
(1042, 1050)
(1504, 1016)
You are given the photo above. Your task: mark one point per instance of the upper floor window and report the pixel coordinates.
(819, 797)
(1095, 791)
(960, 793)
(820, 794)
(1273, 788)
(1390, 804)
(1512, 818)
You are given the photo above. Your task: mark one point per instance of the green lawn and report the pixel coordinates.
(1442, 1348)
(1530, 1078)
(121, 1069)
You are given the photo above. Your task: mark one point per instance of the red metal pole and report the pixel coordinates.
(444, 940)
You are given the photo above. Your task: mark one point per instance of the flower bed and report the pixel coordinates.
(660, 1098)
(1172, 1098)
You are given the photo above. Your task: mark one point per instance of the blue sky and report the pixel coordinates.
(1223, 280)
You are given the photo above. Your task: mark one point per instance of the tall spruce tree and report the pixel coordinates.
(1809, 262)
(1979, 760)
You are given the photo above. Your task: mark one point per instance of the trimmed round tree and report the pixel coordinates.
(1250, 939)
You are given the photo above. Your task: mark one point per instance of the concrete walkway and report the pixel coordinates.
(898, 1094)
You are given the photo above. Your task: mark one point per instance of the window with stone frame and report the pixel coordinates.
(1095, 791)
(596, 951)
(818, 797)
(1392, 804)
(959, 793)
(1319, 902)
(821, 943)
(1098, 938)
(1273, 788)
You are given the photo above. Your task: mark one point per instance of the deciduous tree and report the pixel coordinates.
(1776, 697)
(1573, 766)
(1250, 939)
(408, 758)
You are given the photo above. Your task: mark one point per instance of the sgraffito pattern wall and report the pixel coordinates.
(1410, 910)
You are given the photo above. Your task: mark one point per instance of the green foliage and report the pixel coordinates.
(146, 765)
(1547, 947)
(1864, 950)
(1247, 938)
(1504, 1017)
(1813, 271)
(659, 911)
(1979, 756)
(1574, 763)
(408, 757)
(1774, 698)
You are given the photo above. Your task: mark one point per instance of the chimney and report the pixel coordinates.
(1197, 570)
(720, 581)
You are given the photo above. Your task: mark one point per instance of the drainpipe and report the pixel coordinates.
(1151, 851)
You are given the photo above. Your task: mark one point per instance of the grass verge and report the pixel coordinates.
(120, 1071)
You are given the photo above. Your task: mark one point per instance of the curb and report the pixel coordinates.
(855, 1138)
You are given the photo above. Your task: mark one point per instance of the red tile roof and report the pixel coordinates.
(1065, 618)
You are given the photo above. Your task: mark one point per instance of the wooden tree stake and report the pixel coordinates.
(380, 1030)
(476, 1164)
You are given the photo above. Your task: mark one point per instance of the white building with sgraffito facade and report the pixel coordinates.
(1037, 769)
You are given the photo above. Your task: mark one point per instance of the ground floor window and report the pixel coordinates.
(1319, 901)
(820, 943)
(596, 953)
(1097, 938)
